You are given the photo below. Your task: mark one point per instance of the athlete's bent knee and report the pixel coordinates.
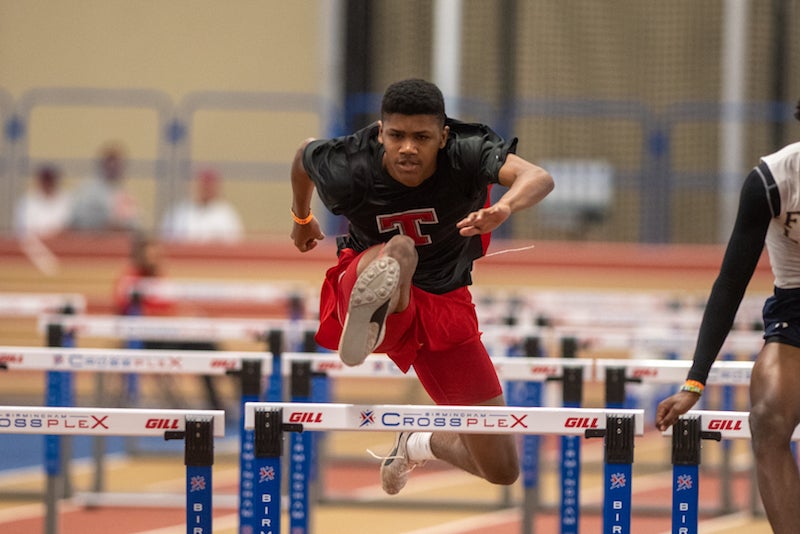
(769, 428)
(504, 470)
(503, 477)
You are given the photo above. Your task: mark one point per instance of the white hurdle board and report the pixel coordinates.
(171, 328)
(380, 366)
(634, 338)
(461, 419)
(198, 290)
(674, 371)
(101, 421)
(129, 360)
(33, 304)
(730, 425)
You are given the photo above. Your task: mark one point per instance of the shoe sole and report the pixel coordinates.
(364, 326)
(385, 465)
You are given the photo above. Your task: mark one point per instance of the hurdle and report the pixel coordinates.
(686, 434)
(569, 372)
(634, 340)
(617, 373)
(251, 367)
(34, 304)
(529, 371)
(171, 328)
(270, 331)
(606, 308)
(197, 428)
(270, 420)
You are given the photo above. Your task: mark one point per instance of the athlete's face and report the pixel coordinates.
(411, 144)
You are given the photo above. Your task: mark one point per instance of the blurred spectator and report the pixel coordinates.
(146, 262)
(206, 217)
(44, 209)
(102, 203)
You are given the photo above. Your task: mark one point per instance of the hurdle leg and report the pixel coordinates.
(266, 470)
(198, 458)
(301, 456)
(571, 456)
(55, 461)
(618, 473)
(274, 391)
(530, 395)
(250, 379)
(726, 466)
(686, 436)
(99, 442)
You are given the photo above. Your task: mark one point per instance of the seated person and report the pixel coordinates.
(206, 217)
(43, 210)
(102, 203)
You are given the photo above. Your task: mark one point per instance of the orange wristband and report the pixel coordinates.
(693, 386)
(304, 220)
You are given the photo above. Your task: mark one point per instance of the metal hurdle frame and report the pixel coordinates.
(250, 366)
(192, 328)
(23, 304)
(617, 373)
(197, 428)
(686, 435)
(271, 420)
(570, 371)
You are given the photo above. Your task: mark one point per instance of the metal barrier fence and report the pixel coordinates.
(644, 198)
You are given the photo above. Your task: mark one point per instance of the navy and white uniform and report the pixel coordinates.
(769, 213)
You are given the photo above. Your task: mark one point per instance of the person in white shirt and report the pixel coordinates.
(44, 210)
(207, 217)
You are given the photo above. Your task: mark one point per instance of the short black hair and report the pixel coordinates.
(797, 111)
(413, 97)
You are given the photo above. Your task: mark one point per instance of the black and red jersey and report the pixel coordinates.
(351, 181)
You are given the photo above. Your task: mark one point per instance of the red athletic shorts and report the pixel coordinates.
(437, 334)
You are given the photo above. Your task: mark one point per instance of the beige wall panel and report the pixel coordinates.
(176, 46)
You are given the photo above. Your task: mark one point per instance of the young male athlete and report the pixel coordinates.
(769, 210)
(414, 188)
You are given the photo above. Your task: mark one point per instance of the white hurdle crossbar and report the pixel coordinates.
(34, 304)
(730, 425)
(134, 361)
(270, 420)
(113, 360)
(101, 421)
(197, 428)
(171, 328)
(380, 366)
(723, 373)
(461, 419)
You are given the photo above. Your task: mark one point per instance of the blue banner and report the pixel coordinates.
(685, 493)
(617, 498)
(300, 461)
(266, 476)
(247, 472)
(570, 484)
(198, 500)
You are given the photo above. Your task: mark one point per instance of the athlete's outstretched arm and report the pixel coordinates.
(741, 258)
(305, 236)
(527, 185)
